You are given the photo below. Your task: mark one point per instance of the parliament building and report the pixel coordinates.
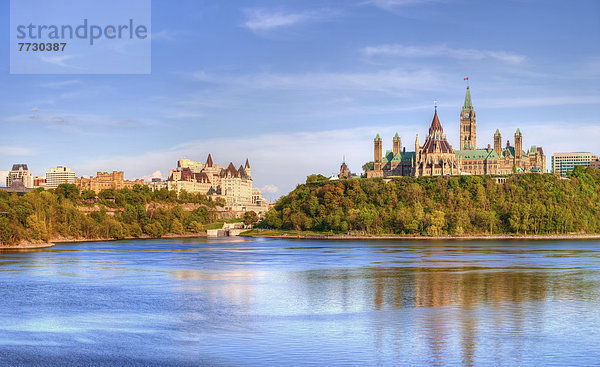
(436, 157)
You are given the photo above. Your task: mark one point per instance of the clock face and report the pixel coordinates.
(467, 115)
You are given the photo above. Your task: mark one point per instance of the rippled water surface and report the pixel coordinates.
(270, 302)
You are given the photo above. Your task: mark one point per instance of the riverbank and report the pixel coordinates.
(325, 236)
(27, 246)
(54, 241)
(142, 237)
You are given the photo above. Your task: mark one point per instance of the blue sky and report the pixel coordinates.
(297, 85)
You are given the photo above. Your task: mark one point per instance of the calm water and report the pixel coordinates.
(257, 302)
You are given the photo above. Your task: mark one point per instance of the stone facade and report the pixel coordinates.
(436, 157)
(230, 183)
(345, 171)
(103, 180)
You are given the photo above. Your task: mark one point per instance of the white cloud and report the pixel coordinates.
(84, 124)
(58, 60)
(271, 189)
(403, 51)
(15, 151)
(394, 4)
(388, 80)
(155, 174)
(61, 84)
(540, 101)
(35, 109)
(164, 35)
(261, 20)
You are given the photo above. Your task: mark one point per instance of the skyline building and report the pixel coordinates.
(565, 162)
(103, 180)
(59, 175)
(20, 175)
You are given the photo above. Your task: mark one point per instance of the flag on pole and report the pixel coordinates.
(466, 78)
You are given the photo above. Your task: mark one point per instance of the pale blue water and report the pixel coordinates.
(268, 302)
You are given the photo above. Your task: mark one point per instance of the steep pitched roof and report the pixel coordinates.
(209, 161)
(230, 171)
(468, 104)
(399, 157)
(435, 124)
(247, 164)
(508, 151)
(242, 172)
(436, 141)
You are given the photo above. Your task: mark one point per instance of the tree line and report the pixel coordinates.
(450, 205)
(65, 212)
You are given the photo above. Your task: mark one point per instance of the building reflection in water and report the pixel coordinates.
(459, 304)
(433, 308)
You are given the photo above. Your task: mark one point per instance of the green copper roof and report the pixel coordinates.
(477, 154)
(510, 151)
(518, 132)
(468, 104)
(497, 133)
(378, 137)
(533, 149)
(399, 157)
(396, 136)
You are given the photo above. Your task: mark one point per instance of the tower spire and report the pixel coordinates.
(468, 104)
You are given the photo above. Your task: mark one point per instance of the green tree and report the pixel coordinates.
(315, 178)
(250, 218)
(177, 227)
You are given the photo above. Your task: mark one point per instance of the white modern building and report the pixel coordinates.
(20, 175)
(565, 162)
(59, 175)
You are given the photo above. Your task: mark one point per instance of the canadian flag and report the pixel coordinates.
(466, 78)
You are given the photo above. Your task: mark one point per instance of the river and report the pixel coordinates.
(276, 302)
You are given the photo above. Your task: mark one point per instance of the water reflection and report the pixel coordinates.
(274, 302)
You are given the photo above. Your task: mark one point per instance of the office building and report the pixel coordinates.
(565, 162)
(59, 175)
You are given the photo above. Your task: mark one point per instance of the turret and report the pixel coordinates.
(417, 147)
(498, 142)
(518, 144)
(397, 144)
(247, 168)
(377, 153)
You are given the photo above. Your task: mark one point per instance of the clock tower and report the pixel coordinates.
(468, 125)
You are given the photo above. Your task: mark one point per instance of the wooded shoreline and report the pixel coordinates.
(422, 238)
